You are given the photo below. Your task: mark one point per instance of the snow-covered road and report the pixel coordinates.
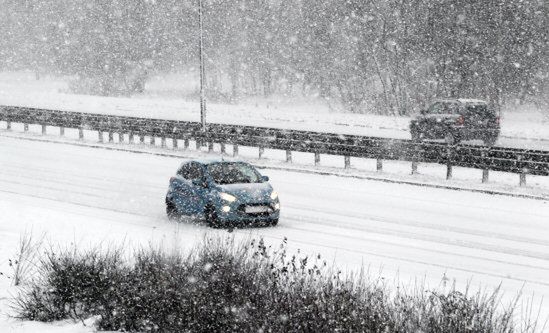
(94, 196)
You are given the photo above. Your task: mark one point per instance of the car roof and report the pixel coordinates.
(213, 160)
(462, 100)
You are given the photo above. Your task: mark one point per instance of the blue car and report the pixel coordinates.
(223, 193)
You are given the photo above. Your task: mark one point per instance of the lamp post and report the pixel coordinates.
(201, 56)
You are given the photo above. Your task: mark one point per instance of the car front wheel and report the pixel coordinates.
(416, 136)
(451, 139)
(171, 210)
(211, 217)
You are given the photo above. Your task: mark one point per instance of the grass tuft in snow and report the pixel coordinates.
(222, 286)
(23, 264)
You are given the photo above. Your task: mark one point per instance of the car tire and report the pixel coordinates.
(416, 136)
(451, 139)
(490, 140)
(171, 210)
(211, 217)
(274, 222)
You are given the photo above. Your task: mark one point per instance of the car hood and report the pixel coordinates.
(255, 192)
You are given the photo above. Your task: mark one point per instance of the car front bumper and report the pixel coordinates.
(239, 215)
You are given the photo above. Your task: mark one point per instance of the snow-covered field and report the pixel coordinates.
(164, 98)
(84, 196)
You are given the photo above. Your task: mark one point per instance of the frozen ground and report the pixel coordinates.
(522, 128)
(83, 196)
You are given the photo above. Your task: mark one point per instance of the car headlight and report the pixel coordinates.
(274, 195)
(227, 197)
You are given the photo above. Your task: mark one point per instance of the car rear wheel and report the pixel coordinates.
(274, 222)
(490, 140)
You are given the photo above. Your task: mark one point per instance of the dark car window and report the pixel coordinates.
(184, 171)
(195, 171)
(477, 109)
(443, 108)
(233, 173)
(191, 171)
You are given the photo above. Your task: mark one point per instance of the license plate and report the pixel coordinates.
(256, 209)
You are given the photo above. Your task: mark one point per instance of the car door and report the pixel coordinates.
(435, 119)
(197, 195)
(182, 189)
(477, 118)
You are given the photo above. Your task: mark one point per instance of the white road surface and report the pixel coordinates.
(95, 197)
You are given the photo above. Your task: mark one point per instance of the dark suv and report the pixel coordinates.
(457, 119)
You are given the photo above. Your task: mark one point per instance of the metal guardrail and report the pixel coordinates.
(521, 161)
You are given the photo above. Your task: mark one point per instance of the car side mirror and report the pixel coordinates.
(264, 178)
(200, 182)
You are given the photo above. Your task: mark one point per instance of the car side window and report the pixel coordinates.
(195, 172)
(444, 108)
(436, 108)
(184, 171)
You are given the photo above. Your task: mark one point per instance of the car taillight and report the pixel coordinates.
(460, 120)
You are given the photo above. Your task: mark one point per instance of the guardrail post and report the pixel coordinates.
(152, 141)
(163, 142)
(223, 148)
(142, 139)
(379, 165)
(522, 180)
(414, 167)
(174, 143)
(347, 161)
(61, 131)
(235, 150)
(100, 136)
(43, 129)
(317, 158)
(26, 127)
(8, 125)
(485, 172)
(261, 152)
(120, 137)
(210, 147)
(80, 134)
(186, 144)
(288, 156)
(448, 163)
(130, 138)
(485, 175)
(415, 154)
(198, 144)
(111, 137)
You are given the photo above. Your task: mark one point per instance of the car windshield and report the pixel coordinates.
(477, 108)
(443, 108)
(233, 173)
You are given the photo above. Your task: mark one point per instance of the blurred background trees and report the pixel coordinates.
(387, 57)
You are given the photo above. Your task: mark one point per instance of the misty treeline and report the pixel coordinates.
(383, 56)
